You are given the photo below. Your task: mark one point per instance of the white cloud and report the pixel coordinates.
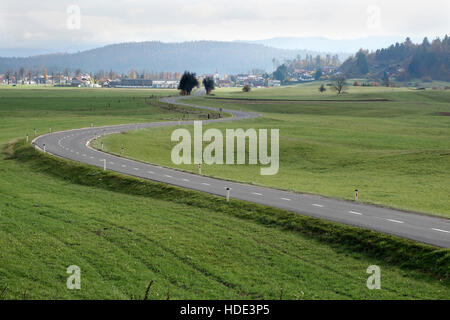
(43, 23)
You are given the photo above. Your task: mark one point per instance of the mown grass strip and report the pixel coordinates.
(390, 249)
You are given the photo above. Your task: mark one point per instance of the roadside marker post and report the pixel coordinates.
(27, 137)
(356, 194)
(92, 125)
(104, 164)
(228, 193)
(199, 168)
(102, 145)
(50, 129)
(44, 147)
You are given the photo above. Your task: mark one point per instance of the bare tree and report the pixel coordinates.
(30, 76)
(8, 76)
(22, 73)
(339, 84)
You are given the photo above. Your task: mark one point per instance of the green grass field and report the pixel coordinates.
(123, 240)
(395, 152)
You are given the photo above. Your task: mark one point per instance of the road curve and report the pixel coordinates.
(74, 145)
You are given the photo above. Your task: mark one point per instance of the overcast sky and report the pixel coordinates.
(55, 23)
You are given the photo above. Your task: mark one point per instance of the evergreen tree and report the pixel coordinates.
(188, 82)
(209, 84)
(361, 63)
(318, 74)
(281, 73)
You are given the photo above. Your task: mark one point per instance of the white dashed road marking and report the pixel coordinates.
(206, 184)
(357, 213)
(317, 205)
(166, 175)
(187, 180)
(396, 221)
(286, 199)
(257, 194)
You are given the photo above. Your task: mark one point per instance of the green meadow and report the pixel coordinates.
(54, 214)
(392, 144)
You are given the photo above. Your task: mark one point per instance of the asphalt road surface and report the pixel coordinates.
(74, 145)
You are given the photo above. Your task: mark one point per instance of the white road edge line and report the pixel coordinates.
(440, 230)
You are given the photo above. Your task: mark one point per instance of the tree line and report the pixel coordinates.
(403, 61)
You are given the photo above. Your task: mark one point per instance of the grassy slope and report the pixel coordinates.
(396, 152)
(123, 240)
(48, 221)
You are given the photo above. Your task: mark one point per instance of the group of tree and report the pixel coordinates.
(24, 76)
(189, 81)
(310, 62)
(316, 64)
(403, 61)
(356, 66)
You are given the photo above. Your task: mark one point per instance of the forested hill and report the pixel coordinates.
(197, 56)
(403, 61)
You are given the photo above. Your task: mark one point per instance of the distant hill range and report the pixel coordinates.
(197, 56)
(322, 44)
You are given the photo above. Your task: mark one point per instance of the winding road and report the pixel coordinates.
(74, 145)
